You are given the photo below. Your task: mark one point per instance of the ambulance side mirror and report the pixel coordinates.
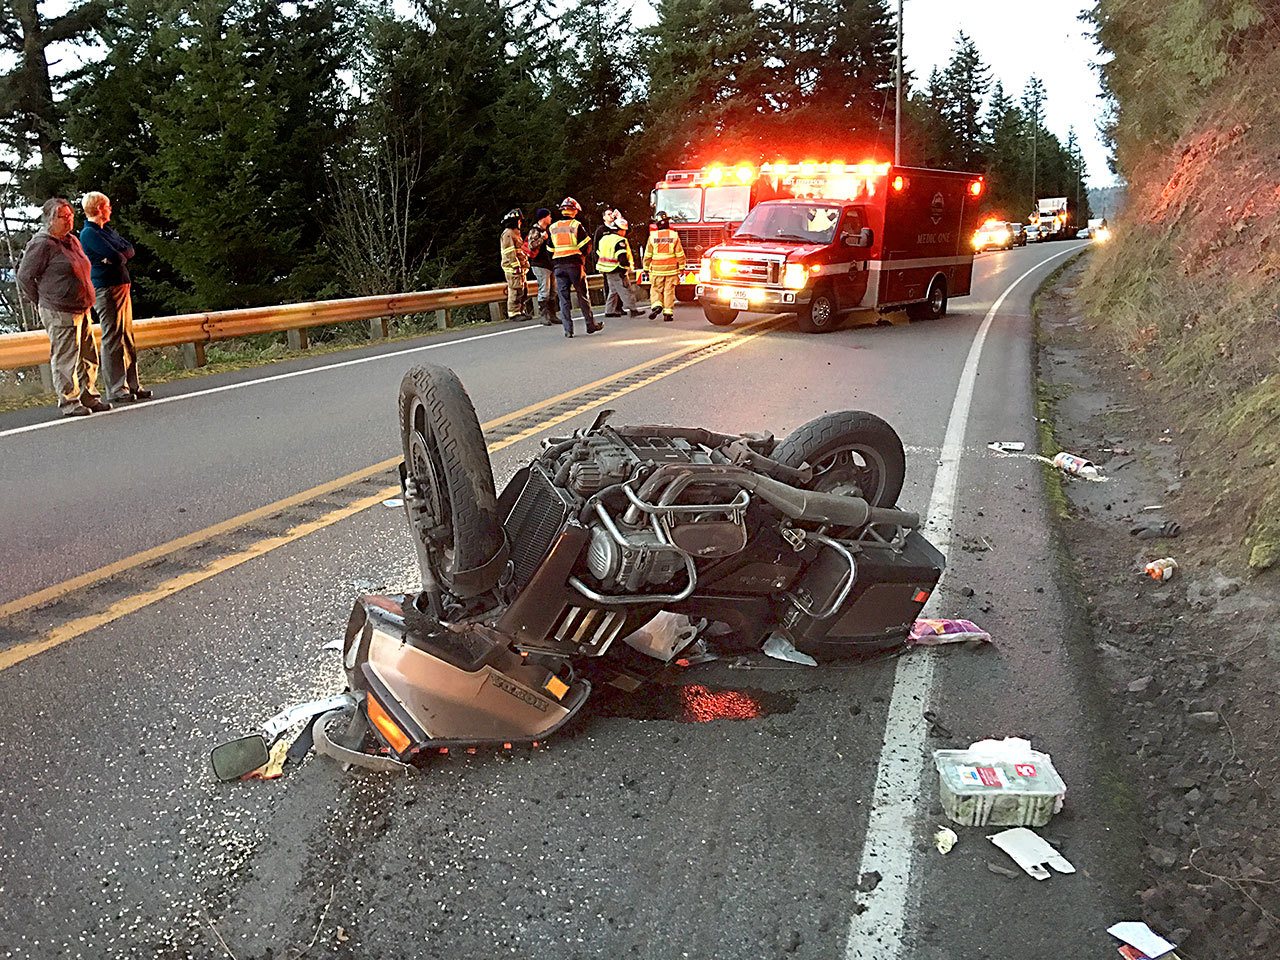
(864, 238)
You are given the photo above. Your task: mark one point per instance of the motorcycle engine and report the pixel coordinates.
(626, 552)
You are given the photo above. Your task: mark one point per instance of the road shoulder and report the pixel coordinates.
(1189, 664)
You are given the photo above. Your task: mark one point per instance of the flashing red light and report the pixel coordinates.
(899, 184)
(975, 188)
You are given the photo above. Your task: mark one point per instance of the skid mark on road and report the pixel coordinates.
(49, 624)
(877, 932)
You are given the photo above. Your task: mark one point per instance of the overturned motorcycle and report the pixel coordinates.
(634, 534)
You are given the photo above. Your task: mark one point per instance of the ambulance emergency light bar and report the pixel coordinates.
(835, 179)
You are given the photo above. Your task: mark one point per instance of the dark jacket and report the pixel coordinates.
(54, 273)
(108, 252)
(540, 257)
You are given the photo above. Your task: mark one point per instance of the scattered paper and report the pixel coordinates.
(393, 502)
(1007, 446)
(335, 644)
(780, 648)
(1138, 935)
(927, 632)
(1031, 852)
(273, 769)
(945, 839)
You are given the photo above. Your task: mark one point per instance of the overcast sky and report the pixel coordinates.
(1019, 38)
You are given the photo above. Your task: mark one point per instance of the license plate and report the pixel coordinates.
(739, 301)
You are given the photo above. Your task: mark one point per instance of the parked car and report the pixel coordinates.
(1033, 233)
(1019, 234)
(1084, 234)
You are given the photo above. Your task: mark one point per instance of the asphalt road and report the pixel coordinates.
(635, 833)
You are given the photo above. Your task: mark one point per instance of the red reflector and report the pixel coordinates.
(471, 749)
(921, 596)
(444, 749)
(506, 746)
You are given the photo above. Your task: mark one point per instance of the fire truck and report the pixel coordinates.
(706, 205)
(870, 236)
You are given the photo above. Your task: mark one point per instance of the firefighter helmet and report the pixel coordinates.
(661, 219)
(515, 213)
(568, 203)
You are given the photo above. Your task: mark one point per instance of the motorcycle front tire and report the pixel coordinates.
(847, 447)
(445, 452)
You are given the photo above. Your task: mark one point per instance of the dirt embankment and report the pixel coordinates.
(1189, 293)
(1192, 663)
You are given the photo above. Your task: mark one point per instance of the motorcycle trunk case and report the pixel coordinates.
(890, 590)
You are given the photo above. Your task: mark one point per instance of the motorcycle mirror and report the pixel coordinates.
(233, 759)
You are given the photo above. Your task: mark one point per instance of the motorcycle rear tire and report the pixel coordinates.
(444, 450)
(841, 433)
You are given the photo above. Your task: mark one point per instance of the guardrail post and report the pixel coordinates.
(497, 311)
(379, 328)
(297, 339)
(193, 355)
(442, 319)
(46, 377)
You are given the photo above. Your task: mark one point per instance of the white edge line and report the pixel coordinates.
(149, 404)
(877, 932)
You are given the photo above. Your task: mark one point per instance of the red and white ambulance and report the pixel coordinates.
(867, 236)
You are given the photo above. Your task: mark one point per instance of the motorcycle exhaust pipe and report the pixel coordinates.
(829, 508)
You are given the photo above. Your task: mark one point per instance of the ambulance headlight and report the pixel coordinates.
(704, 271)
(795, 276)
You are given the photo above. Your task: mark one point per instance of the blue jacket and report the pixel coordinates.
(108, 252)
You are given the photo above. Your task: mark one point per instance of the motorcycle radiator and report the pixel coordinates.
(537, 512)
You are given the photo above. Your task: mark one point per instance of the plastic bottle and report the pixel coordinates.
(1077, 466)
(1161, 569)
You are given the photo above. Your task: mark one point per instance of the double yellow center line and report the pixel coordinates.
(513, 427)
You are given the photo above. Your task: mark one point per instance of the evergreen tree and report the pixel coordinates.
(1007, 170)
(597, 85)
(965, 82)
(235, 176)
(838, 74)
(708, 84)
(31, 113)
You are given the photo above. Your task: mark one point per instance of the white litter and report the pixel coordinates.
(393, 502)
(945, 839)
(780, 648)
(998, 783)
(1007, 446)
(1031, 852)
(1141, 937)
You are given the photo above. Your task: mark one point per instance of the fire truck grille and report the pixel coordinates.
(697, 240)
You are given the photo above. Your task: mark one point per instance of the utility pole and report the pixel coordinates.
(897, 98)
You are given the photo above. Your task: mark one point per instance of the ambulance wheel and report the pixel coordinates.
(455, 518)
(935, 306)
(819, 315)
(686, 293)
(720, 317)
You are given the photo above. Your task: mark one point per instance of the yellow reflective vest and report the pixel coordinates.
(663, 254)
(565, 241)
(613, 247)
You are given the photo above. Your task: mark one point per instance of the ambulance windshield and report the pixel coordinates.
(727, 203)
(799, 222)
(681, 204)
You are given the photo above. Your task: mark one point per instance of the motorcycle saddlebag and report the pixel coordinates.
(887, 596)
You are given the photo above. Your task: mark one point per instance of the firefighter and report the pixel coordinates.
(663, 260)
(614, 263)
(570, 245)
(515, 264)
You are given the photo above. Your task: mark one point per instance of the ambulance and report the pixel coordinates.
(847, 237)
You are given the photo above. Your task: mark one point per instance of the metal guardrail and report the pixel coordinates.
(31, 348)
